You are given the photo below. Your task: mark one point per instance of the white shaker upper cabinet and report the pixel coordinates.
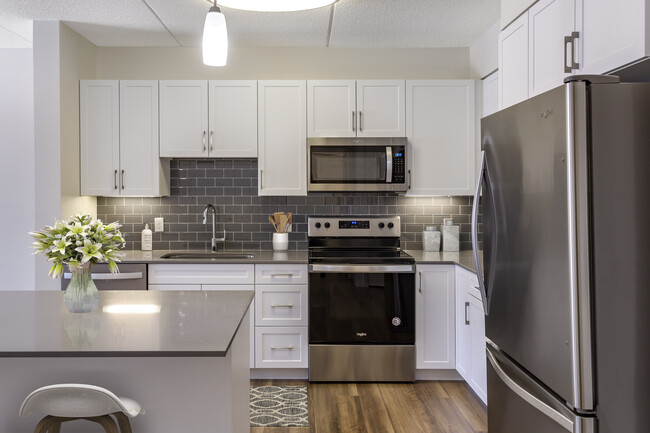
(184, 119)
(513, 62)
(615, 33)
(491, 94)
(549, 22)
(441, 122)
(282, 137)
(233, 119)
(381, 108)
(331, 108)
(100, 137)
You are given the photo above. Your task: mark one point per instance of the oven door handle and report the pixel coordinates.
(363, 269)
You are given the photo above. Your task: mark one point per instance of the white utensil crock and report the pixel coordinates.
(280, 241)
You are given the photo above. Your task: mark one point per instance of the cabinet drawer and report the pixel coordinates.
(201, 274)
(281, 274)
(174, 287)
(281, 305)
(225, 287)
(280, 347)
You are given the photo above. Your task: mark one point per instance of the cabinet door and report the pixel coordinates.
(463, 349)
(140, 166)
(381, 108)
(233, 119)
(513, 62)
(491, 94)
(331, 108)
(434, 321)
(478, 371)
(282, 138)
(549, 21)
(99, 130)
(613, 34)
(441, 121)
(183, 119)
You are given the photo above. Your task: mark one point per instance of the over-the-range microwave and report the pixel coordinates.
(357, 164)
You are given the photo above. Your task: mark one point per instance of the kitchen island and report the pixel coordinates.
(182, 355)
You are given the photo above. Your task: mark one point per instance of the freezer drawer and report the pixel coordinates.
(132, 276)
(519, 404)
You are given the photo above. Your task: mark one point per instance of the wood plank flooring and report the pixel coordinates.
(422, 407)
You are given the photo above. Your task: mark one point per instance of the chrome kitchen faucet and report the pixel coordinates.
(205, 221)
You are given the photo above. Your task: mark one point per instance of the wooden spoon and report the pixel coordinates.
(275, 227)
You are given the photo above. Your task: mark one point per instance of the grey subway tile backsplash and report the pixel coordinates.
(231, 186)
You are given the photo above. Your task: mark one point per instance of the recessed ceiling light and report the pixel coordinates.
(275, 5)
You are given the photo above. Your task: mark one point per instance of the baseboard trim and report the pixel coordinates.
(437, 375)
(279, 373)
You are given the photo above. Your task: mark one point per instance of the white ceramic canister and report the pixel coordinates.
(280, 241)
(431, 239)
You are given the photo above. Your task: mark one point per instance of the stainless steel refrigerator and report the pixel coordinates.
(565, 184)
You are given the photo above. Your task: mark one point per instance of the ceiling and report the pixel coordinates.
(173, 23)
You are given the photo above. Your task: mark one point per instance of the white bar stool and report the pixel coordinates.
(72, 401)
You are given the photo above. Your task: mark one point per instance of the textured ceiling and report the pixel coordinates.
(347, 24)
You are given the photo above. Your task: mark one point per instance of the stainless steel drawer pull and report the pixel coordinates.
(109, 276)
(466, 315)
(282, 275)
(281, 347)
(281, 306)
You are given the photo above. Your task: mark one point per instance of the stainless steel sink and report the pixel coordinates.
(207, 255)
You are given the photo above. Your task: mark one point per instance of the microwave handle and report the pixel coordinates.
(389, 164)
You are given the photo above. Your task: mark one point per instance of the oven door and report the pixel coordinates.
(361, 304)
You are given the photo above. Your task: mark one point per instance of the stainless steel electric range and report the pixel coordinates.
(361, 301)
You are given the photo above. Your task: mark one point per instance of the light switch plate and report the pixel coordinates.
(159, 224)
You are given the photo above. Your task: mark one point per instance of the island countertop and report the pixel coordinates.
(197, 324)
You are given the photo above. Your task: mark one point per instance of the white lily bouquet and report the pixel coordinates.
(81, 240)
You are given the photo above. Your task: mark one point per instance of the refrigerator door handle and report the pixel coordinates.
(477, 260)
(538, 404)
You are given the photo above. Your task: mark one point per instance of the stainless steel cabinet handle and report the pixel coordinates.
(282, 275)
(203, 141)
(281, 306)
(466, 313)
(567, 68)
(261, 179)
(281, 347)
(420, 285)
(122, 179)
(354, 122)
(574, 38)
(211, 141)
(360, 122)
(115, 179)
(410, 178)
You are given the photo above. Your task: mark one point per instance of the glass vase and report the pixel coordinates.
(81, 295)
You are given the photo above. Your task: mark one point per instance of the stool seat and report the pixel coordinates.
(69, 401)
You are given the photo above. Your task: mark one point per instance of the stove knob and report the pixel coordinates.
(327, 225)
(390, 225)
(317, 225)
(381, 225)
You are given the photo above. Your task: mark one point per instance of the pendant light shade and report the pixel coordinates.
(275, 5)
(215, 38)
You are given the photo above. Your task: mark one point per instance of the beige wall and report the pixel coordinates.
(78, 60)
(511, 9)
(484, 53)
(284, 63)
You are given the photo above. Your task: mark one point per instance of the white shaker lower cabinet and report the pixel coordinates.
(282, 137)
(435, 342)
(470, 333)
(281, 316)
(440, 120)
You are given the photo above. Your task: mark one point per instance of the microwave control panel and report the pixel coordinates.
(399, 169)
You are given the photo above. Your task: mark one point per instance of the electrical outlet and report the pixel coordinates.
(159, 224)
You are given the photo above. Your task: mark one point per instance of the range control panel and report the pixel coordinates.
(354, 226)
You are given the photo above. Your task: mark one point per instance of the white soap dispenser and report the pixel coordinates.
(146, 239)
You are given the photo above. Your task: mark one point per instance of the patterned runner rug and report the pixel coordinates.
(279, 406)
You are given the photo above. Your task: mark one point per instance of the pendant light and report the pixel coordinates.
(215, 38)
(275, 5)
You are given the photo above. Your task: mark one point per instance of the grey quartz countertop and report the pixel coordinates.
(259, 257)
(201, 323)
(464, 259)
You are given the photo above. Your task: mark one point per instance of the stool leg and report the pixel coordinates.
(44, 424)
(123, 421)
(105, 421)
